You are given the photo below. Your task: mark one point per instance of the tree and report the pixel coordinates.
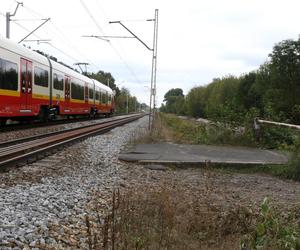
(174, 99)
(105, 78)
(284, 89)
(196, 102)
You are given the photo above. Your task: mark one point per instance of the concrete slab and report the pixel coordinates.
(168, 153)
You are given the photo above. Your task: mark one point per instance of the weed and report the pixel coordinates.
(271, 232)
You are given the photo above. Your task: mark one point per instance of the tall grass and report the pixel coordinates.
(161, 218)
(189, 131)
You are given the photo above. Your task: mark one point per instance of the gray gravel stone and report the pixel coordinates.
(27, 209)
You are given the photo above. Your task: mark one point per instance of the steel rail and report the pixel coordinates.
(35, 123)
(30, 138)
(18, 152)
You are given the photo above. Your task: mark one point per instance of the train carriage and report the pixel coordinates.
(32, 85)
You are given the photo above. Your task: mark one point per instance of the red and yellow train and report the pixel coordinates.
(34, 86)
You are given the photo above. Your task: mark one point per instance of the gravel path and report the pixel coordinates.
(43, 205)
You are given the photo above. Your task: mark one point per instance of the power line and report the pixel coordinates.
(65, 39)
(64, 53)
(33, 11)
(113, 47)
(21, 26)
(62, 37)
(92, 17)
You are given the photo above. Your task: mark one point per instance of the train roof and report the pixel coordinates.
(34, 56)
(22, 51)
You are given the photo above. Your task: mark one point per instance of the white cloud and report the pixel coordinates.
(197, 40)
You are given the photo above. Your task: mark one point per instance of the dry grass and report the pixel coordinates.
(164, 216)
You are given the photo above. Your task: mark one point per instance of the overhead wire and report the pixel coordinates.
(24, 28)
(112, 28)
(64, 38)
(113, 47)
(73, 58)
(61, 37)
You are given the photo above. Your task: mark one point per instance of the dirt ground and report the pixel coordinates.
(221, 206)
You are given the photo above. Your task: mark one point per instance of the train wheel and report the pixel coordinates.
(44, 115)
(2, 122)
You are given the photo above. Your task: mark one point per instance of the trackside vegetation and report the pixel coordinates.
(271, 92)
(123, 97)
(231, 103)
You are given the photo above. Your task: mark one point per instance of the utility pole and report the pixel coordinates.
(127, 104)
(8, 16)
(108, 82)
(154, 60)
(153, 72)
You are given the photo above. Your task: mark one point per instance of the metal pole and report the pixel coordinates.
(127, 104)
(7, 25)
(155, 57)
(153, 72)
(8, 15)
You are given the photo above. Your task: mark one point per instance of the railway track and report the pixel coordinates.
(24, 150)
(34, 124)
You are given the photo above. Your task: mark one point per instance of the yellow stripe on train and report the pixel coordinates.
(9, 92)
(77, 101)
(38, 96)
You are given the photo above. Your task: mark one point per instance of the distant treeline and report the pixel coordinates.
(271, 92)
(124, 100)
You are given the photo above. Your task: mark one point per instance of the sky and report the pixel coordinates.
(197, 40)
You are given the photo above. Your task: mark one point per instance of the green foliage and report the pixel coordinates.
(197, 133)
(106, 78)
(125, 99)
(285, 78)
(271, 232)
(292, 170)
(175, 102)
(271, 92)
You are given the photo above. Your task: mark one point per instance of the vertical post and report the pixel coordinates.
(153, 71)
(108, 82)
(155, 58)
(127, 104)
(7, 25)
(8, 15)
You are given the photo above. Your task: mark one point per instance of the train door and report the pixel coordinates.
(67, 92)
(26, 85)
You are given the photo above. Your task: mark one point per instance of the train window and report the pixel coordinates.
(77, 91)
(58, 82)
(91, 93)
(8, 75)
(105, 98)
(40, 77)
(97, 95)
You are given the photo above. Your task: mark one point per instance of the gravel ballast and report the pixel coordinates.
(43, 205)
(58, 187)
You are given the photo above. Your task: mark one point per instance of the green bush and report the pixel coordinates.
(271, 232)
